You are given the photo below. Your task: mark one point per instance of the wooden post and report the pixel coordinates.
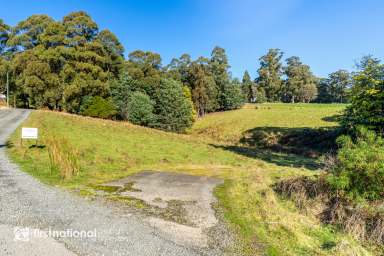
(8, 89)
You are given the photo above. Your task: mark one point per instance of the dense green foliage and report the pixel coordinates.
(56, 64)
(270, 73)
(166, 106)
(275, 82)
(98, 107)
(140, 109)
(172, 111)
(232, 98)
(358, 171)
(359, 168)
(70, 65)
(300, 83)
(334, 88)
(210, 82)
(62, 64)
(367, 97)
(248, 87)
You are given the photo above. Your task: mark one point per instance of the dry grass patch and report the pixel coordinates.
(363, 220)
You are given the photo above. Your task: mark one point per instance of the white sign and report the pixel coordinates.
(29, 133)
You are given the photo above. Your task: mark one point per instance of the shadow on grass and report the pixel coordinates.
(278, 158)
(334, 118)
(37, 146)
(8, 144)
(293, 147)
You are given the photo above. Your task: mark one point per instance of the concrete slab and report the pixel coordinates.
(158, 188)
(163, 189)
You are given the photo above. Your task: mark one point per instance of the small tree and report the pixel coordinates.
(121, 91)
(173, 111)
(339, 82)
(140, 109)
(260, 95)
(204, 92)
(232, 97)
(359, 169)
(367, 97)
(270, 73)
(98, 107)
(248, 88)
(300, 84)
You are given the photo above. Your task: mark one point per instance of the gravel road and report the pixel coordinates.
(25, 202)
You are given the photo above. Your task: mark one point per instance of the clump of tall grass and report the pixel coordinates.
(363, 220)
(62, 157)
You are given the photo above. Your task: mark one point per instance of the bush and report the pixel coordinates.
(173, 111)
(359, 169)
(166, 105)
(232, 97)
(140, 109)
(121, 91)
(98, 107)
(260, 95)
(367, 97)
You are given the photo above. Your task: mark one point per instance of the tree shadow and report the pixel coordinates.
(278, 158)
(37, 146)
(294, 147)
(333, 118)
(8, 144)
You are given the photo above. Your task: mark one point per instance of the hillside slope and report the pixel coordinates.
(228, 127)
(264, 223)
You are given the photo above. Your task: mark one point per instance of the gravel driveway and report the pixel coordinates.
(26, 203)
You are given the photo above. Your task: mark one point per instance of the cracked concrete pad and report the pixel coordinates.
(158, 188)
(192, 237)
(163, 189)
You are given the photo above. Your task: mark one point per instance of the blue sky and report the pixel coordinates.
(327, 34)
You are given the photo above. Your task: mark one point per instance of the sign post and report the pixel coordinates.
(8, 89)
(29, 133)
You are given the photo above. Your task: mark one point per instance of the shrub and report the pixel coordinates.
(98, 107)
(121, 91)
(232, 97)
(188, 95)
(140, 109)
(260, 95)
(359, 168)
(172, 107)
(173, 111)
(367, 97)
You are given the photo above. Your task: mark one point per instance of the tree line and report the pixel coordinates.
(294, 82)
(70, 65)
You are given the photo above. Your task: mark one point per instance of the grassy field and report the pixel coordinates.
(229, 127)
(265, 224)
